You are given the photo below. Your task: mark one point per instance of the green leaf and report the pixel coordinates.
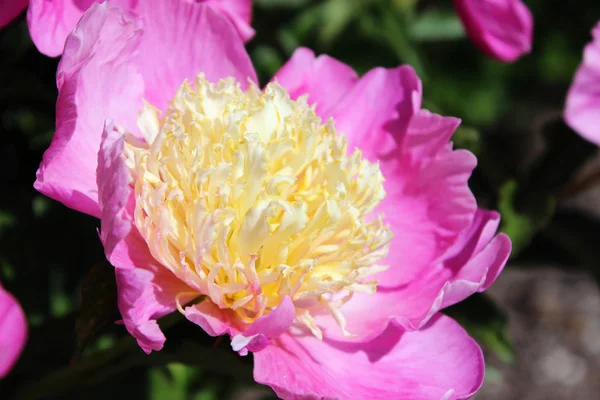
(60, 302)
(557, 62)
(528, 205)
(40, 205)
(266, 60)
(326, 20)
(172, 381)
(467, 138)
(522, 225)
(437, 25)
(293, 35)
(7, 271)
(208, 392)
(337, 14)
(392, 29)
(7, 221)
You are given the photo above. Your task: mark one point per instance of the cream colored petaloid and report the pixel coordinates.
(247, 196)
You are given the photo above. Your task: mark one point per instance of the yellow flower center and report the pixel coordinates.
(248, 197)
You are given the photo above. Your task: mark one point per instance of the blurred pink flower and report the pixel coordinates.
(10, 9)
(582, 110)
(246, 197)
(502, 29)
(13, 331)
(50, 21)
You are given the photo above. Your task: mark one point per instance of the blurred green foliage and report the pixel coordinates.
(46, 250)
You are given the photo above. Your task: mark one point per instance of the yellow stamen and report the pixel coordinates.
(248, 197)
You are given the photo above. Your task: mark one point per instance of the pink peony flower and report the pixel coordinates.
(502, 29)
(13, 331)
(50, 21)
(243, 208)
(582, 110)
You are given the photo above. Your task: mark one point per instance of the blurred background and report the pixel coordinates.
(539, 324)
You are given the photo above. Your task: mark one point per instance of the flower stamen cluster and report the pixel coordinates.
(248, 197)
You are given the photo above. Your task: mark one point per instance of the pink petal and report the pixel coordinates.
(143, 298)
(429, 206)
(213, 320)
(375, 114)
(96, 80)
(239, 13)
(50, 22)
(583, 101)
(216, 322)
(470, 265)
(474, 242)
(114, 190)
(276, 322)
(147, 290)
(13, 331)
(10, 9)
(380, 104)
(502, 29)
(428, 135)
(323, 78)
(271, 326)
(428, 202)
(182, 39)
(439, 361)
(108, 61)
